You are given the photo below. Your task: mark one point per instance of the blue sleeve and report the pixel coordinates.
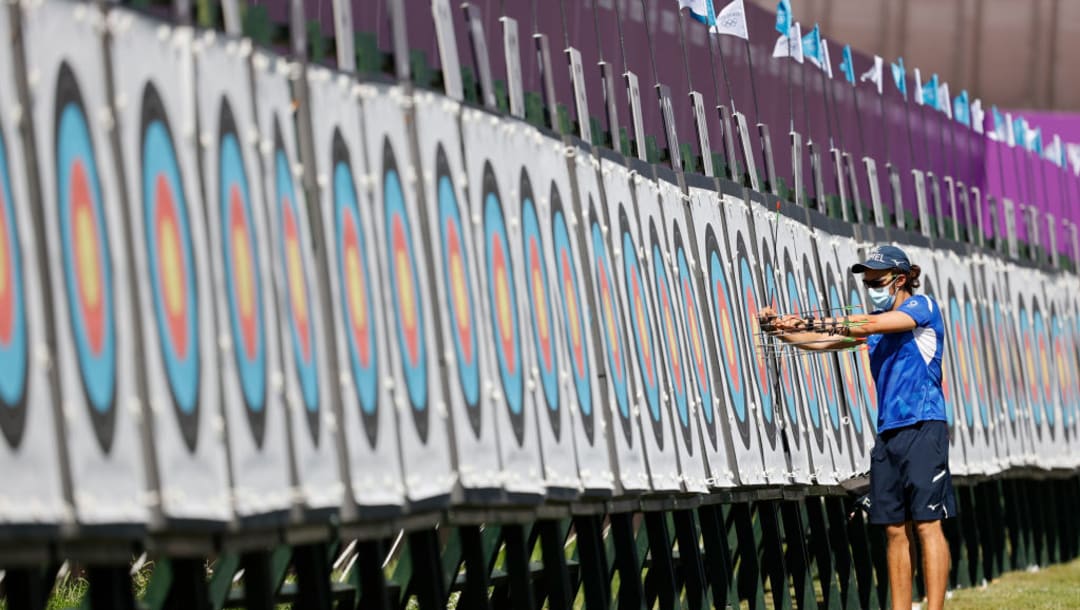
(921, 308)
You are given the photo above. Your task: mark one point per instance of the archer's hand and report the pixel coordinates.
(787, 324)
(766, 319)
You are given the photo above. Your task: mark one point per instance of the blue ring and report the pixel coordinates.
(495, 227)
(704, 383)
(664, 288)
(13, 355)
(530, 232)
(416, 379)
(582, 381)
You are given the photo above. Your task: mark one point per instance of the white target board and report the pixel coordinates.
(250, 365)
(153, 68)
(935, 286)
(682, 391)
(302, 321)
(1012, 424)
(360, 327)
(494, 166)
(723, 323)
(804, 425)
(751, 291)
(616, 376)
(1063, 375)
(843, 293)
(633, 288)
(450, 235)
(1034, 315)
(88, 262)
(32, 491)
(992, 350)
(962, 339)
(572, 428)
(418, 392)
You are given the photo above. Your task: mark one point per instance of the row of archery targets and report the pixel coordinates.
(441, 306)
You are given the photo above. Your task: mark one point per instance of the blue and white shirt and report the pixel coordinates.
(907, 367)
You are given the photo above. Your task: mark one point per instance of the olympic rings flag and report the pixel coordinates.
(32, 490)
(250, 361)
(405, 288)
(86, 263)
(170, 264)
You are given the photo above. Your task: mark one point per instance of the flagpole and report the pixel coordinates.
(712, 73)
(753, 87)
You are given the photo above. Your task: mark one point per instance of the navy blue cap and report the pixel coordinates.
(883, 257)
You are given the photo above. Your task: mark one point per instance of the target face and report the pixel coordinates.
(809, 374)
(543, 321)
(641, 325)
(614, 347)
(750, 300)
(847, 365)
(354, 277)
(405, 292)
(1031, 366)
(963, 358)
(832, 402)
(699, 364)
(976, 361)
(243, 281)
(730, 348)
(169, 251)
(1008, 389)
(13, 331)
(1045, 367)
(673, 353)
(457, 279)
(85, 255)
(862, 360)
(1060, 367)
(294, 260)
(502, 300)
(574, 317)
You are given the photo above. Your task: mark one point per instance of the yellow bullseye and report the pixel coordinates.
(355, 279)
(86, 246)
(405, 289)
(172, 267)
(242, 270)
(296, 279)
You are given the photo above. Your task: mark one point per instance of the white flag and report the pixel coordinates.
(731, 21)
(977, 115)
(1052, 152)
(790, 45)
(874, 73)
(944, 101)
(1010, 133)
(918, 88)
(828, 62)
(1072, 150)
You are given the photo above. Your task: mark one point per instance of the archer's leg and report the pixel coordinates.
(936, 562)
(899, 556)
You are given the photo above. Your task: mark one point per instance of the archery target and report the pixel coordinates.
(308, 388)
(670, 307)
(496, 205)
(549, 357)
(87, 264)
(993, 376)
(746, 263)
(360, 328)
(608, 331)
(246, 308)
(1043, 385)
(851, 412)
(1030, 387)
(633, 287)
(173, 280)
(450, 234)
(688, 232)
(406, 291)
(32, 489)
(854, 365)
(801, 418)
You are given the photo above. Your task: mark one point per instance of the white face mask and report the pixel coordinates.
(881, 298)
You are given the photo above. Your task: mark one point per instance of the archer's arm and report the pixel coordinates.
(793, 329)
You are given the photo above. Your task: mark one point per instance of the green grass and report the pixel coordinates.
(1056, 586)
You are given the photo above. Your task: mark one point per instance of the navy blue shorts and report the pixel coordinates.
(909, 475)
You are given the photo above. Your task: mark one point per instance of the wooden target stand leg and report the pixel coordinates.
(594, 572)
(627, 561)
(556, 585)
(312, 565)
(719, 566)
(427, 578)
(1014, 519)
(660, 581)
(1051, 523)
(369, 575)
(28, 587)
(749, 575)
(110, 587)
(797, 557)
(772, 543)
(839, 545)
(826, 556)
(691, 560)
